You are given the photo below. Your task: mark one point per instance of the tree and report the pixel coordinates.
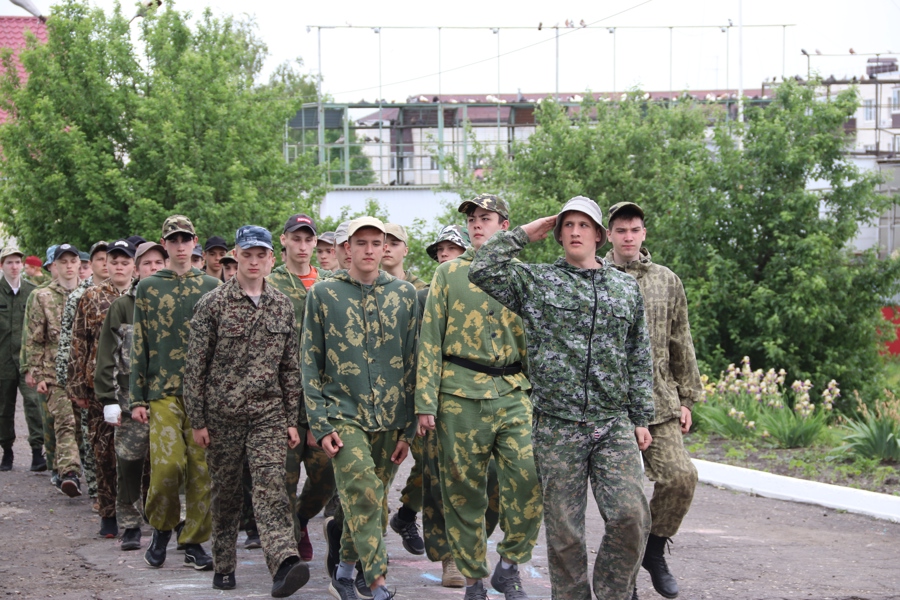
(109, 147)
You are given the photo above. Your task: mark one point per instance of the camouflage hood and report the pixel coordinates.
(636, 268)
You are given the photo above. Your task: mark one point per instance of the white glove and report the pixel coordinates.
(111, 413)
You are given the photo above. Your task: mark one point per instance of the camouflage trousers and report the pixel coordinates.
(434, 528)
(31, 406)
(103, 449)
(669, 466)
(49, 432)
(469, 433)
(569, 455)
(263, 441)
(176, 460)
(66, 428)
(88, 466)
(363, 471)
(132, 444)
(411, 494)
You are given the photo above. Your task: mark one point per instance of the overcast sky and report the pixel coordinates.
(700, 58)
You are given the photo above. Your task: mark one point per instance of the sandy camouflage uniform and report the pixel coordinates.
(358, 363)
(89, 316)
(591, 368)
(478, 416)
(242, 383)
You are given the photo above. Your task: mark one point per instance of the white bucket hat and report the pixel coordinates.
(584, 205)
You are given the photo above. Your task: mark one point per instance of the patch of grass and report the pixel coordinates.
(735, 453)
(873, 438)
(808, 469)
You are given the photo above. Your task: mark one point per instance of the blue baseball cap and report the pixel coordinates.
(51, 252)
(253, 236)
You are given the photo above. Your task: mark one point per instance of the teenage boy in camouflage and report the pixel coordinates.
(242, 395)
(341, 254)
(325, 251)
(294, 278)
(358, 353)
(132, 438)
(40, 343)
(471, 384)
(213, 250)
(676, 385)
(163, 306)
(592, 376)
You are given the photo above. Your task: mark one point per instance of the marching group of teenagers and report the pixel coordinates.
(189, 386)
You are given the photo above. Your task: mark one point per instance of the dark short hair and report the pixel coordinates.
(472, 208)
(181, 237)
(626, 213)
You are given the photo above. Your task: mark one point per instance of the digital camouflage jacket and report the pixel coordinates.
(40, 336)
(588, 346)
(89, 316)
(676, 377)
(65, 331)
(12, 319)
(113, 368)
(243, 360)
(163, 307)
(461, 320)
(359, 354)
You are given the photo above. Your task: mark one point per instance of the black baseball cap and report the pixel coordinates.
(215, 242)
(123, 246)
(298, 221)
(63, 249)
(136, 240)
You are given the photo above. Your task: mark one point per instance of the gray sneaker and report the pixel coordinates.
(508, 582)
(342, 589)
(476, 592)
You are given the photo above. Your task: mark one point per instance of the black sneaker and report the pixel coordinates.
(362, 588)
(333, 543)
(195, 556)
(409, 531)
(508, 582)
(131, 539)
(253, 541)
(54, 478)
(69, 485)
(476, 592)
(38, 461)
(109, 527)
(290, 577)
(224, 581)
(332, 505)
(155, 555)
(7, 460)
(178, 529)
(634, 595)
(342, 589)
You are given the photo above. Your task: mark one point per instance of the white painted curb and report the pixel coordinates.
(873, 504)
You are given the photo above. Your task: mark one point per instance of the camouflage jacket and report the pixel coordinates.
(40, 335)
(243, 360)
(676, 377)
(12, 319)
(89, 318)
(163, 307)
(114, 352)
(418, 282)
(587, 337)
(461, 320)
(65, 332)
(359, 354)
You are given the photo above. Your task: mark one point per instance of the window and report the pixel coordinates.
(895, 100)
(869, 108)
(405, 162)
(434, 163)
(896, 144)
(869, 148)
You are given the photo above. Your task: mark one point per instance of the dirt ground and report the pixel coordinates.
(731, 546)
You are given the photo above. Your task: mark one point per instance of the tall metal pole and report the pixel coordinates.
(612, 30)
(380, 117)
(784, 49)
(497, 33)
(557, 62)
(320, 110)
(440, 116)
(741, 62)
(670, 60)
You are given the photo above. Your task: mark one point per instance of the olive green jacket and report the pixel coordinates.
(12, 318)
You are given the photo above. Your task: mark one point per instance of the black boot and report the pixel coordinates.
(655, 563)
(290, 577)
(155, 555)
(6, 462)
(38, 460)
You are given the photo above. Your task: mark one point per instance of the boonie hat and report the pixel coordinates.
(147, 247)
(215, 242)
(63, 249)
(341, 235)
(177, 224)
(488, 202)
(253, 236)
(123, 246)
(357, 224)
(584, 205)
(326, 238)
(298, 221)
(619, 206)
(451, 233)
(100, 246)
(33, 260)
(51, 252)
(11, 251)
(398, 231)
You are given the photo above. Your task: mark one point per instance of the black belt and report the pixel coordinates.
(513, 369)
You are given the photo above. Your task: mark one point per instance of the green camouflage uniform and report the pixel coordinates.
(676, 383)
(242, 383)
(358, 362)
(12, 318)
(163, 307)
(589, 354)
(132, 439)
(46, 418)
(478, 416)
(40, 341)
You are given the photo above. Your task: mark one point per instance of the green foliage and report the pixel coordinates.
(110, 142)
(873, 438)
(787, 429)
(735, 422)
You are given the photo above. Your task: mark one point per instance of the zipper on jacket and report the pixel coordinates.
(587, 363)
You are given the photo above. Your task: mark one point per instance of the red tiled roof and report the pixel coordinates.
(12, 35)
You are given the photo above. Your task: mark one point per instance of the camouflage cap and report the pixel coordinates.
(51, 252)
(177, 224)
(10, 251)
(620, 206)
(341, 235)
(398, 231)
(488, 202)
(451, 233)
(253, 236)
(585, 206)
(228, 258)
(100, 246)
(326, 238)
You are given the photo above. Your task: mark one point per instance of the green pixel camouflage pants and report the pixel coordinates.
(49, 432)
(569, 455)
(132, 443)
(411, 494)
(102, 441)
(176, 460)
(88, 464)
(31, 406)
(363, 471)
(434, 528)
(65, 428)
(470, 432)
(669, 466)
(263, 441)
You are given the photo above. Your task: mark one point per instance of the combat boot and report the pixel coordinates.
(7, 460)
(131, 539)
(155, 555)
(655, 563)
(290, 577)
(38, 460)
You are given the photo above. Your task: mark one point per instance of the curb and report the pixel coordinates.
(779, 487)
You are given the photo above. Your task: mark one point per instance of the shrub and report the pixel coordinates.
(787, 428)
(876, 434)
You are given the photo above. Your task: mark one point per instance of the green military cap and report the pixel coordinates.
(177, 224)
(10, 251)
(488, 202)
(619, 206)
